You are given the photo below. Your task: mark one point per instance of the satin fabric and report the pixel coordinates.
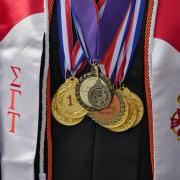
(165, 88)
(22, 47)
(165, 69)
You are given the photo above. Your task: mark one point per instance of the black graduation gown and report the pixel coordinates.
(89, 152)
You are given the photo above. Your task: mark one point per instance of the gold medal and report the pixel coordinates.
(130, 119)
(60, 118)
(94, 91)
(67, 102)
(112, 114)
(137, 101)
(65, 106)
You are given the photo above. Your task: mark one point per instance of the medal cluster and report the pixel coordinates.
(93, 94)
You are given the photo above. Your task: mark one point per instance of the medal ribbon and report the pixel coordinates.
(129, 45)
(117, 44)
(119, 56)
(93, 26)
(120, 52)
(71, 58)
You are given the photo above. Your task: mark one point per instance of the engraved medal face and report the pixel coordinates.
(109, 119)
(111, 114)
(121, 119)
(65, 106)
(60, 118)
(86, 82)
(84, 89)
(67, 102)
(99, 96)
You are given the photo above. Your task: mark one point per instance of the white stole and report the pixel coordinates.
(20, 60)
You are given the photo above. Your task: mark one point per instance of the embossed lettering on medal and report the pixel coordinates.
(88, 81)
(113, 114)
(99, 95)
(65, 107)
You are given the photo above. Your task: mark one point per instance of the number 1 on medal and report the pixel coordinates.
(70, 100)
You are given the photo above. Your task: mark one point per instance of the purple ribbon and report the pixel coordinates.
(99, 35)
(114, 14)
(87, 18)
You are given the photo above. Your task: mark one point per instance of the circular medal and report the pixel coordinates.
(60, 118)
(137, 101)
(86, 82)
(67, 107)
(99, 96)
(111, 114)
(130, 119)
(120, 117)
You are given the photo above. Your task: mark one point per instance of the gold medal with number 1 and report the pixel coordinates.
(65, 107)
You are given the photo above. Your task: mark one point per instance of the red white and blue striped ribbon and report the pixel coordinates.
(126, 43)
(70, 57)
(129, 45)
(120, 53)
